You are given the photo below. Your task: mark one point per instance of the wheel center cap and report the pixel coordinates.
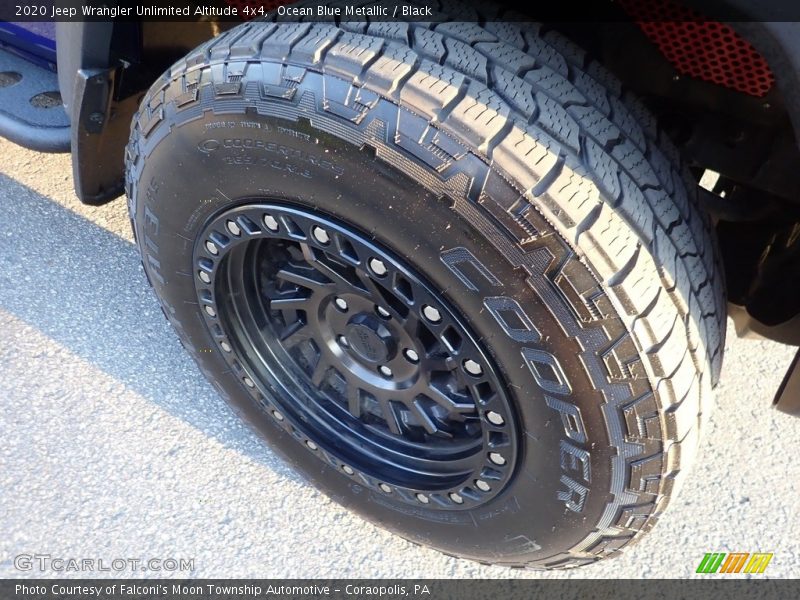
(370, 339)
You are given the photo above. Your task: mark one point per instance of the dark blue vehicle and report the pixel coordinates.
(30, 55)
(471, 275)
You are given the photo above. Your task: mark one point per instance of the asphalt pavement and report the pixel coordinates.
(113, 446)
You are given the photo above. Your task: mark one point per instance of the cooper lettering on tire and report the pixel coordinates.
(451, 270)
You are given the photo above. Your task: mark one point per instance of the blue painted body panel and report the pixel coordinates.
(35, 41)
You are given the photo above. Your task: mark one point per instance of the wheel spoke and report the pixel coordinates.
(476, 396)
(354, 399)
(301, 279)
(462, 379)
(439, 363)
(294, 333)
(446, 402)
(336, 278)
(390, 415)
(289, 303)
(369, 284)
(320, 370)
(422, 417)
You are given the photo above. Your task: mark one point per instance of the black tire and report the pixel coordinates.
(495, 161)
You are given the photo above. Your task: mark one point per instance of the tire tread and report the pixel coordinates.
(531, 102)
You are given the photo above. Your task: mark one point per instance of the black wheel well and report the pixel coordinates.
(747, 149)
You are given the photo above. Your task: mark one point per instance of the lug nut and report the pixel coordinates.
(347, 470)
(204, 277)
(233, 228)
(495, 418)
(422, 498)
(210, 311)
(311, 445)
(473, 368)
(382, 312)
(456, 498)
(482, 485)
(430, 313)
(343, 341)
(341, 304)
(321, 235)
(385, 488)
(497, 458)
(270, 222)
(411, 356)
(249, 382)
(385, 371)
(378, 267)
(278, 416)
(212, 248)
(225, 346)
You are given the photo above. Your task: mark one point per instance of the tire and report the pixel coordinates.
(520, 190)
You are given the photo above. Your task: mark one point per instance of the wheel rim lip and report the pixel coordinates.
(273, 389)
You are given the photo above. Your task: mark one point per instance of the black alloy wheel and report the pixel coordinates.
(375, 372)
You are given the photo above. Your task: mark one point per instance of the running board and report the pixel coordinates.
(31, 112)
(787, 398)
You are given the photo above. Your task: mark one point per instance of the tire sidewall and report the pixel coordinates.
(210, 164)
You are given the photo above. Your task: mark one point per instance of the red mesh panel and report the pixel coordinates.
(699, 48)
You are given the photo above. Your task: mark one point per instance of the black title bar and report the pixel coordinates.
(592, 11)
